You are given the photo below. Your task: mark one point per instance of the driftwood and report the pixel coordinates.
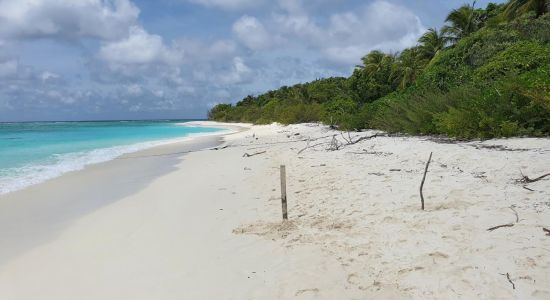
(509, 280)
(257, 153)
(515, 213)
(308, 146)
(525, 187)
(526, 179)
(500, 226)
(220, 148)
(546, 230)
(349, 140)
(423, 179)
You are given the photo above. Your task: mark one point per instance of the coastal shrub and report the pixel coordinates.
(518, 58)
(492, 81)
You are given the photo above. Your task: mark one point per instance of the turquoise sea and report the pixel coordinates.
(32, 152)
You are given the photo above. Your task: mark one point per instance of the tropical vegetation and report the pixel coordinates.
(485, 74)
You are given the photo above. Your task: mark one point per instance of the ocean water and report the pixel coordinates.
(33, 152)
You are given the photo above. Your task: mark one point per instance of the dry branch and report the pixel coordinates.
(515, 213)
(334, 144)
(257, 153)
(525, 187)
(500, 226)
(509, 280)
(364, 138)
(423, 179)
(526, 179)
(220, 148)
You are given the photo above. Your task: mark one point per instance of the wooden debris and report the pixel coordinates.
(525, 187)
(509, 280)
(423, 179)
(526, 179)
(220, 148)
(515, 213)
(257, 153)
(500, 226)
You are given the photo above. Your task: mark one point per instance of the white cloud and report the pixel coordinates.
(139, 48)
(103, 19)
(238, 73)
(348, 36)
(230, 4)
(251, 33)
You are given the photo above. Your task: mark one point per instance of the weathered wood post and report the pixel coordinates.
(283, 192)
(424, 178)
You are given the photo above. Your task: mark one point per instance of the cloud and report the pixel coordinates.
(126, 69)
(251, 33)
(347, 36)
(238, 73)
(230, 4)
(139, 48)
(68, 19)
(8, 68)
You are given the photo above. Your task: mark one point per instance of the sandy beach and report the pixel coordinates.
(185, 221)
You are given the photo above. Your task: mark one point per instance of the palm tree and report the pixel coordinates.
(463, 21)
(431, 43)
(407, 67)
(518, 7)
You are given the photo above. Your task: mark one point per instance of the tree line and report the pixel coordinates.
(485, 74)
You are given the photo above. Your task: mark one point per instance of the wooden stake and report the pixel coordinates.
(283, 192)
(424, 178)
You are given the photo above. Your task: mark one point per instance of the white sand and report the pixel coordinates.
(210, 228)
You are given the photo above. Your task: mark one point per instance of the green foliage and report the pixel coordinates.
(483, 76)
(516, 8)
(518, 58)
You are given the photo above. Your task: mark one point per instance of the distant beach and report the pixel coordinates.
(201, 219)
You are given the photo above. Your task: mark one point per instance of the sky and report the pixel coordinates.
(175, 59)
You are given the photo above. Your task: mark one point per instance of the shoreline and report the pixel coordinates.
(207, 224)
(52, 171)
(39, 210)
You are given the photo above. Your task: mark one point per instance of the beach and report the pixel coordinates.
(202, 220)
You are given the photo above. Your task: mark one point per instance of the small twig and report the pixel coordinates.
(546, 230)
(220, 148)
(312, 146)
(363, 138)
(345, 139)
(500, 226)
(525, 187)
(515, 213)
(509, 280)
(424, 178)
(257, 153)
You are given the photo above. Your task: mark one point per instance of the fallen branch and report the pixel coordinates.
(546, 230)
(424, 178)
(525, 187)
(500, 226)
(364, 138)
(526, 179)
(257, 153)
(220, 148)
(308, 146)
(509, 280)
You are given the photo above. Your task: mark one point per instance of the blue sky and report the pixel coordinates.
(145, 59)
